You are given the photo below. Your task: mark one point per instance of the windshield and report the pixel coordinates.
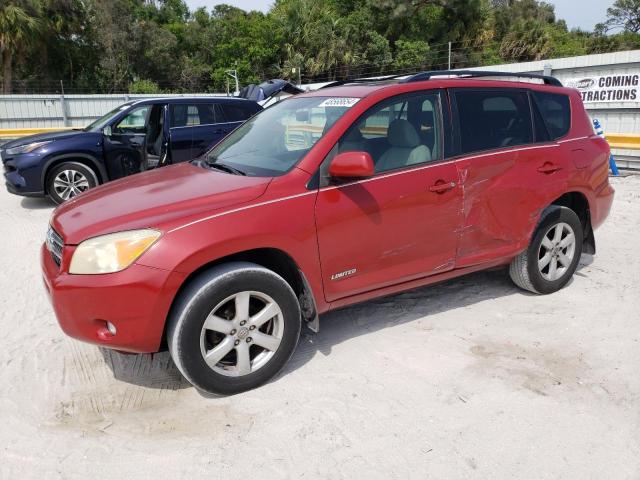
(275, 140)
(102, 122)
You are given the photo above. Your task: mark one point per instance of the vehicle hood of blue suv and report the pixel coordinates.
(43, 137)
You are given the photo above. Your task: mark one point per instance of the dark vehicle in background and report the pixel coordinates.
(136, 136)
(268, 90)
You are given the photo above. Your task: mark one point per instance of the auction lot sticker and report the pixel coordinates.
(610, 88)
(339, 102)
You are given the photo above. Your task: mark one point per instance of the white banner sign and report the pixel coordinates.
(609, 88)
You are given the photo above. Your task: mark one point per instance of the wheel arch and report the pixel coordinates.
(579, 203)
(82, 158)
(273, 259)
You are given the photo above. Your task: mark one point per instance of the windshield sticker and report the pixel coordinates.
(339, 102)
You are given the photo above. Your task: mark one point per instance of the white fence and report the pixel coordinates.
(51, 111)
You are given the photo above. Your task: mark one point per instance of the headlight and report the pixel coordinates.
(29, 147)
(111, 253)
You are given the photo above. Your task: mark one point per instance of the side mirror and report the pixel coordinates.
(352, 165)
(106, 131)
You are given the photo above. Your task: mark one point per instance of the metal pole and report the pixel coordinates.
(234, 74)
(63, 106)
(612, 161)
(449, 56)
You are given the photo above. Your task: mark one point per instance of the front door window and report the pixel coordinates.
(134, 122)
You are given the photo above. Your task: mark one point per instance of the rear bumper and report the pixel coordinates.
(603, 202)
(136, 300)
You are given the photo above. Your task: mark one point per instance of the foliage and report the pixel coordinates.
(108, 46)
(144, 86)
(624, 14)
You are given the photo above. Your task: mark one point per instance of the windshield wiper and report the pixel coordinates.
(225, 168)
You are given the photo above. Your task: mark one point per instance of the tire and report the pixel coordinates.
(69, 179)
(195, 334)
(530, 270)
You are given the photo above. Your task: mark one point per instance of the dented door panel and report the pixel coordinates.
(504, 195)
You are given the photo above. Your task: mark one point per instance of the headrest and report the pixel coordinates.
(426, 118)
(402, 134)
(354, 135)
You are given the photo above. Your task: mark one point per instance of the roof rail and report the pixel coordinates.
(418, 77)
(362, 80)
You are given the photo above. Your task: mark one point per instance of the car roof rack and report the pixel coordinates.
(362, 80)
(419, 77)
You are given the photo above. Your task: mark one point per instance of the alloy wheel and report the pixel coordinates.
(242, 333)
(557, 251)
(69, 183)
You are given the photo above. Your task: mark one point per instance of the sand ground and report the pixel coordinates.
(472, 378)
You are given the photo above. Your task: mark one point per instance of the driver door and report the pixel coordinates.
(402, 223)
(125, 142)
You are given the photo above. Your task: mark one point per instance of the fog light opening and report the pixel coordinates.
(106, 330)
(112, 328)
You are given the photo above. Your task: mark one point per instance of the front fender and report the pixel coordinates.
(91, 160)
(263, 225)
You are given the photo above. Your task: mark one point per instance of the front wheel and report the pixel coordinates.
(552, 257)
(233, 328)
(69, 179)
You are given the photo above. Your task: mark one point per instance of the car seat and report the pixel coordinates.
(405, 149)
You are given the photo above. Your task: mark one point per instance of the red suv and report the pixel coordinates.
(326, 199)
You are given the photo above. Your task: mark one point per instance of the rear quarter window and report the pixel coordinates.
(556, 112)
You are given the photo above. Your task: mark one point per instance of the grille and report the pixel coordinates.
(54, 245)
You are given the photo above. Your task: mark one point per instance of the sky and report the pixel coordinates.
(582, 14)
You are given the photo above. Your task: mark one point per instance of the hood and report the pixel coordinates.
(41, 137)
(164, 198)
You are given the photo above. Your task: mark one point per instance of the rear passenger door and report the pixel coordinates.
(183, 117)
(235, 113)
(209, 130)
(500, 155)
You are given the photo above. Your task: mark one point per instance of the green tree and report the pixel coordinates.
(18, 28)
(411, 54)
(144, 86)
(624, 14)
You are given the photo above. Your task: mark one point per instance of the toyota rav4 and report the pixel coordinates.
(330, 198)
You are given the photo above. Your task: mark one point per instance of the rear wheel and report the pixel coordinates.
(69, 179)
(234, 328)
(552, 257)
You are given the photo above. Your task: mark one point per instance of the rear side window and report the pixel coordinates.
(490, 119)
(236, 113)
(555, 111)
(190, 115)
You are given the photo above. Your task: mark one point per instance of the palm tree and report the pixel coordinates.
(17, 29)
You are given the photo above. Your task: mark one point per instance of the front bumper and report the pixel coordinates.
(19, 183)
(136, 300)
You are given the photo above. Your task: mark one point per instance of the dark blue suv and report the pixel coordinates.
(134, 137)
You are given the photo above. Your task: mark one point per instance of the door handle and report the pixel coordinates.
(441, 186)
(220, 130)
(549, 168)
